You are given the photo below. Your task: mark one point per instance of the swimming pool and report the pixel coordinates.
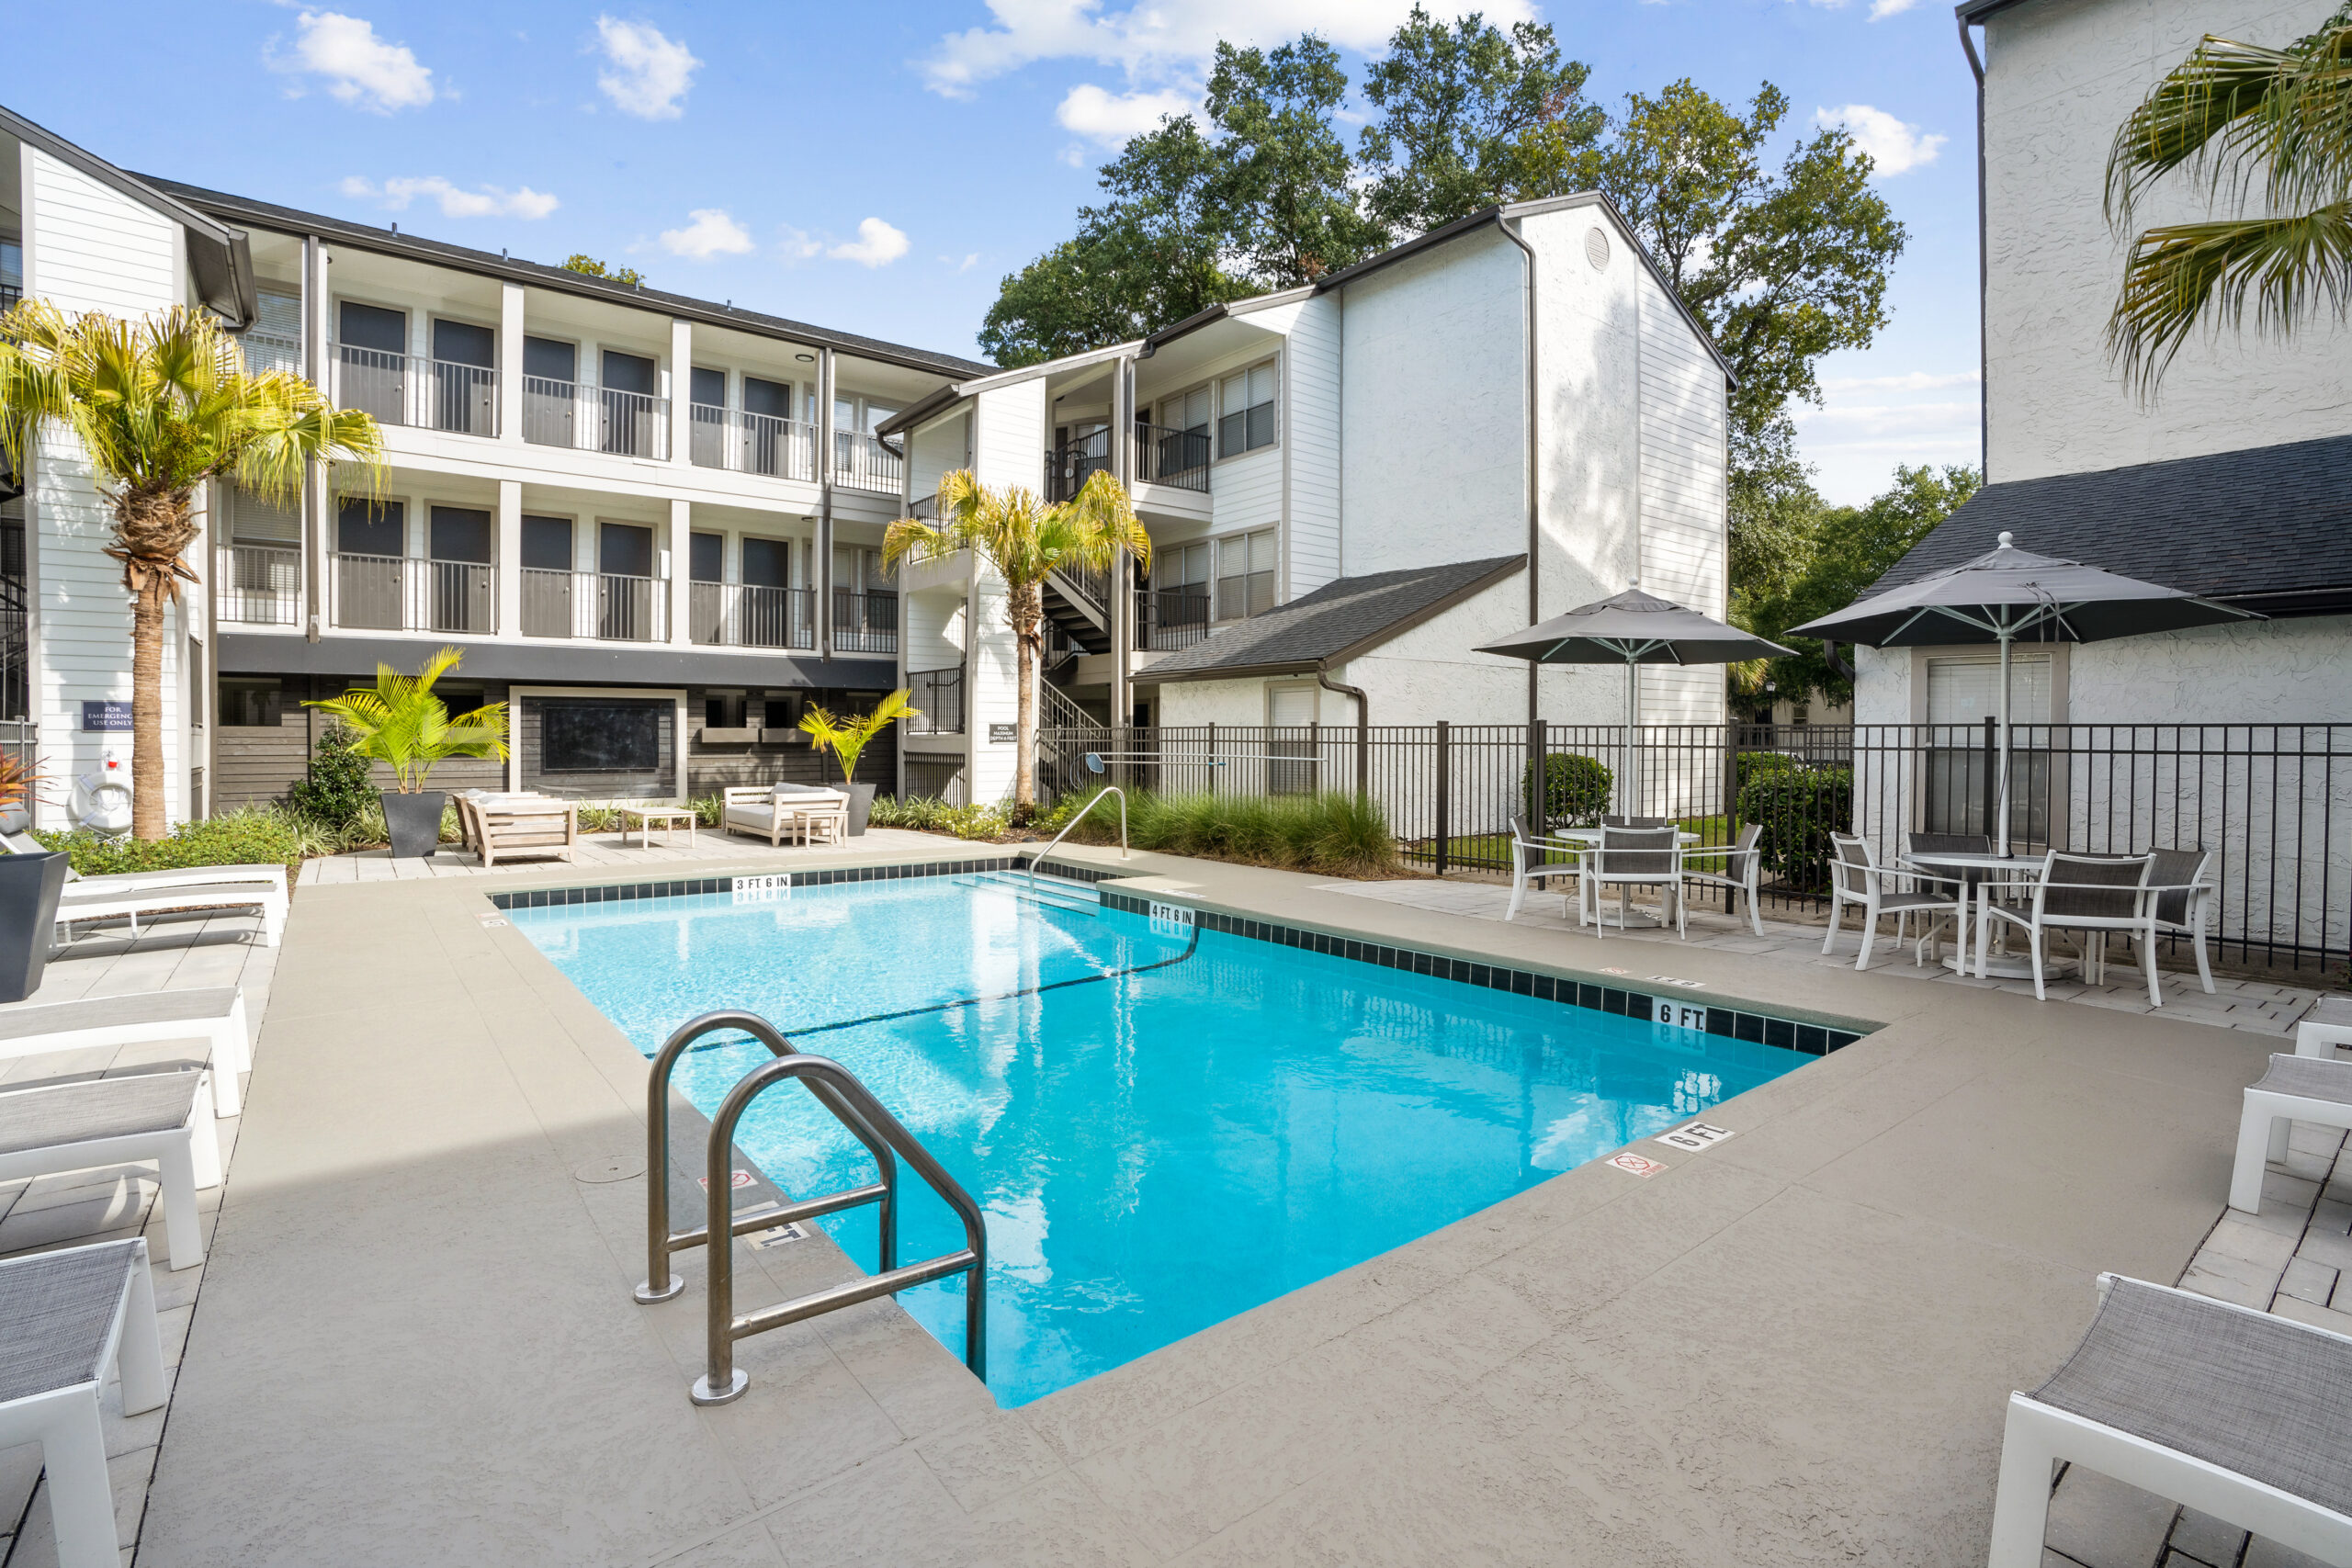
(1165, 1126)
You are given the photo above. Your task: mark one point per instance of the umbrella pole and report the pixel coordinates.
(2001, 831)
(1632, 806)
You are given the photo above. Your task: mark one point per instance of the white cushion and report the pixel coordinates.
(760, 816)
(798, 793)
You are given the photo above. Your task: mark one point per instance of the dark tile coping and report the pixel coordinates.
(1764, 1029)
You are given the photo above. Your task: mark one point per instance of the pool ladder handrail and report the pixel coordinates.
(1107, 791)
(852, 1104)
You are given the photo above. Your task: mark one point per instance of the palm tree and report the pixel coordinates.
(159, 406)
(404, 724)
(1024, 538)
(2241, 120)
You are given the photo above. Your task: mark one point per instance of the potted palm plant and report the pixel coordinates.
(846, 737)
(29, 887)
(404, 725)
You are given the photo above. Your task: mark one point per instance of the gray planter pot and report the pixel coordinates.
(30, 886)
(861, 804)
(15, 818)
(415, 822)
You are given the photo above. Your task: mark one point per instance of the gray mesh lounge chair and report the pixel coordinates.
(1627, 858)
(2090, 896)
(2234, 1412)
(65, 1317)
(2294, 1089)
(83, 1124)
(1645, 822)
(2326, 1026)
(1856, 877)
(1741, 870)
(215, 1014)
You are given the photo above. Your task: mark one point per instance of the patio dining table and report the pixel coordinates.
(1989, 872)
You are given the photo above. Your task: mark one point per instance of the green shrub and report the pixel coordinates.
(254, 835)
(1576, 789)
(929, 815)
(335, 789)
(1798, 808)
(1756, 764)
(1337, 833)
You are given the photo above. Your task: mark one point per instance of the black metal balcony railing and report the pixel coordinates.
(861, 462)
(11, 296)
(864, 622)
(750, 443)
(1171, 618)
(594, 604)
(595, 419)
(399, 593)
(1069, 467)
(938, 698)
(429, 394)
(1177, 457)
(744, 615)
(258, 585)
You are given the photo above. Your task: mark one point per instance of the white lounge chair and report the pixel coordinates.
(93, 900)
(1530, 868)
(2233, 1411)
(215, 1014)
(81, 1123)
(270, 872)
(2293, 1088)
(1856, 877)
(2092, 897)
(774, 812)
(2326, 1026)
(1628, 858)
(65, 1317)
(1742, 873)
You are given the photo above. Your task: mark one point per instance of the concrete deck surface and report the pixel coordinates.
(415, 1343)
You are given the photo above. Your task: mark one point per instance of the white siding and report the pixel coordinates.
(1009, 449)
(1010, 446)
(940, 449)
(1247, 493)
(1684, 498)
(1310, 422)
(99, 249)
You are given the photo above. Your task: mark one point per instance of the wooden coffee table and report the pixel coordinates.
(645, 818)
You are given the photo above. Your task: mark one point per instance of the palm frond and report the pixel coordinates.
(2236, 114)
(2183, 274)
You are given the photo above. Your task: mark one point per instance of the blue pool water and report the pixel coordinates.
(1155, 1151)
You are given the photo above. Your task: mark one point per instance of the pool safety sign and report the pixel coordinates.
(1636, 1164)
(1695, 1135)
(1682, 1015)
(1171, 920)
(763, 889)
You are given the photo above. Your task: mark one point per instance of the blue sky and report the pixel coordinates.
(879, 168)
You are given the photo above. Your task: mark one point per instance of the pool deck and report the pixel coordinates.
(415, 1343)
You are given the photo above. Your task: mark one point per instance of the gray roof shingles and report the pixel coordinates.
(2262, 522)
(1348, 612)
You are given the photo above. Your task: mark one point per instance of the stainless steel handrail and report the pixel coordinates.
(660, 1241)
(1041, 854)
(837, 1089)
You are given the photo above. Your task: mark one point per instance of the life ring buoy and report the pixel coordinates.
(101, 799)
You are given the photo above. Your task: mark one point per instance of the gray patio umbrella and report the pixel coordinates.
(2007, 593)
(1633, 628)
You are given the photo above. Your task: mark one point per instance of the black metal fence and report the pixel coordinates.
(2271, 802)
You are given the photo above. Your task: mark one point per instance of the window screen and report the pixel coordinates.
(1968, 691)
(581, 737)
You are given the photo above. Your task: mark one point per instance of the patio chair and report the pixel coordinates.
(104, 898)
(509, 827)
(65, 1318)
(2326, 1026)
(2229, 1410)
(269, 874)
(1530, 868)
(1643, 822)
(1741, 871)
(2293, 1088)
(2091, 896)
(2185, 901)
(773, 811)
(1627, 858)
(215, 1014)
(1856, 877)
(82, 1124)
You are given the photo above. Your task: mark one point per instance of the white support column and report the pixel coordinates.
(510, 366)
(508, 554)
(318, 499)
(681, 584)
(823, 577)
(682, 391)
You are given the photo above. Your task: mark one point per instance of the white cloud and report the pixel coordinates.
(1909, 381)
(483, 201)
(1893, 145)
(1112, 117)
(649, 72)
(1151, 40)
(966, 264)
(712, 233)
(878, 244)
(799, 245)
(1882, 9)
(359, 68)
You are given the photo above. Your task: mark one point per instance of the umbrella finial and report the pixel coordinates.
(2009, 540)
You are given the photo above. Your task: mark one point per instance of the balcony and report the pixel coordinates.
(1171, 618)
(1177, 457)
(750, 443)
(864, 622)
(744, 615)
(594, 604)
(595, 419)
(258, 585)
(408, 389)
(861, 462)
(938, 698)
(404, 595)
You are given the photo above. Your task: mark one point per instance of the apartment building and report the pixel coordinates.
(2234, 482)
(1348, 486)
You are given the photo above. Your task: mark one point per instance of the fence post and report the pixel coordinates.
(1315, 747)
(1731, 796)
(1445, 791)
(1991, 780)
(1539, 779)
(1211, 786)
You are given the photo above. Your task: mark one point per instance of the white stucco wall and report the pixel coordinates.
(2061, 76)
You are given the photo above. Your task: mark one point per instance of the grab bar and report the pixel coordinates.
(838, 1090)
(659, 1240)
(1107, 791)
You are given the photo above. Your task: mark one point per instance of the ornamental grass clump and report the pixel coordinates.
(1336, 833)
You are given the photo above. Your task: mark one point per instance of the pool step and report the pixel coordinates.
(1052, 892)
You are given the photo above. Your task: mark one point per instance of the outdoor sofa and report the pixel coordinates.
(804, 812)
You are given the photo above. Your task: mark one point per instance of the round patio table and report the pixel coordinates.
(1990, 871)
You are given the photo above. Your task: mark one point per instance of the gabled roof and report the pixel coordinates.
(1340, 621)
(218, 256)
(2265, 527)
(363, 236)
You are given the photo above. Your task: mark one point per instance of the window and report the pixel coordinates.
(1968, 691)
(251, 702)
(549, 359)
(547, 544)
(362, 528)
(704, 554)
(709, 387)
(1245, 575)
(723, 710)
(767, 563)
(1248, 404)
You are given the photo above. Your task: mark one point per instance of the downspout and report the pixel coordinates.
(1535, 535)
(1363, 724)
(1983, 273)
